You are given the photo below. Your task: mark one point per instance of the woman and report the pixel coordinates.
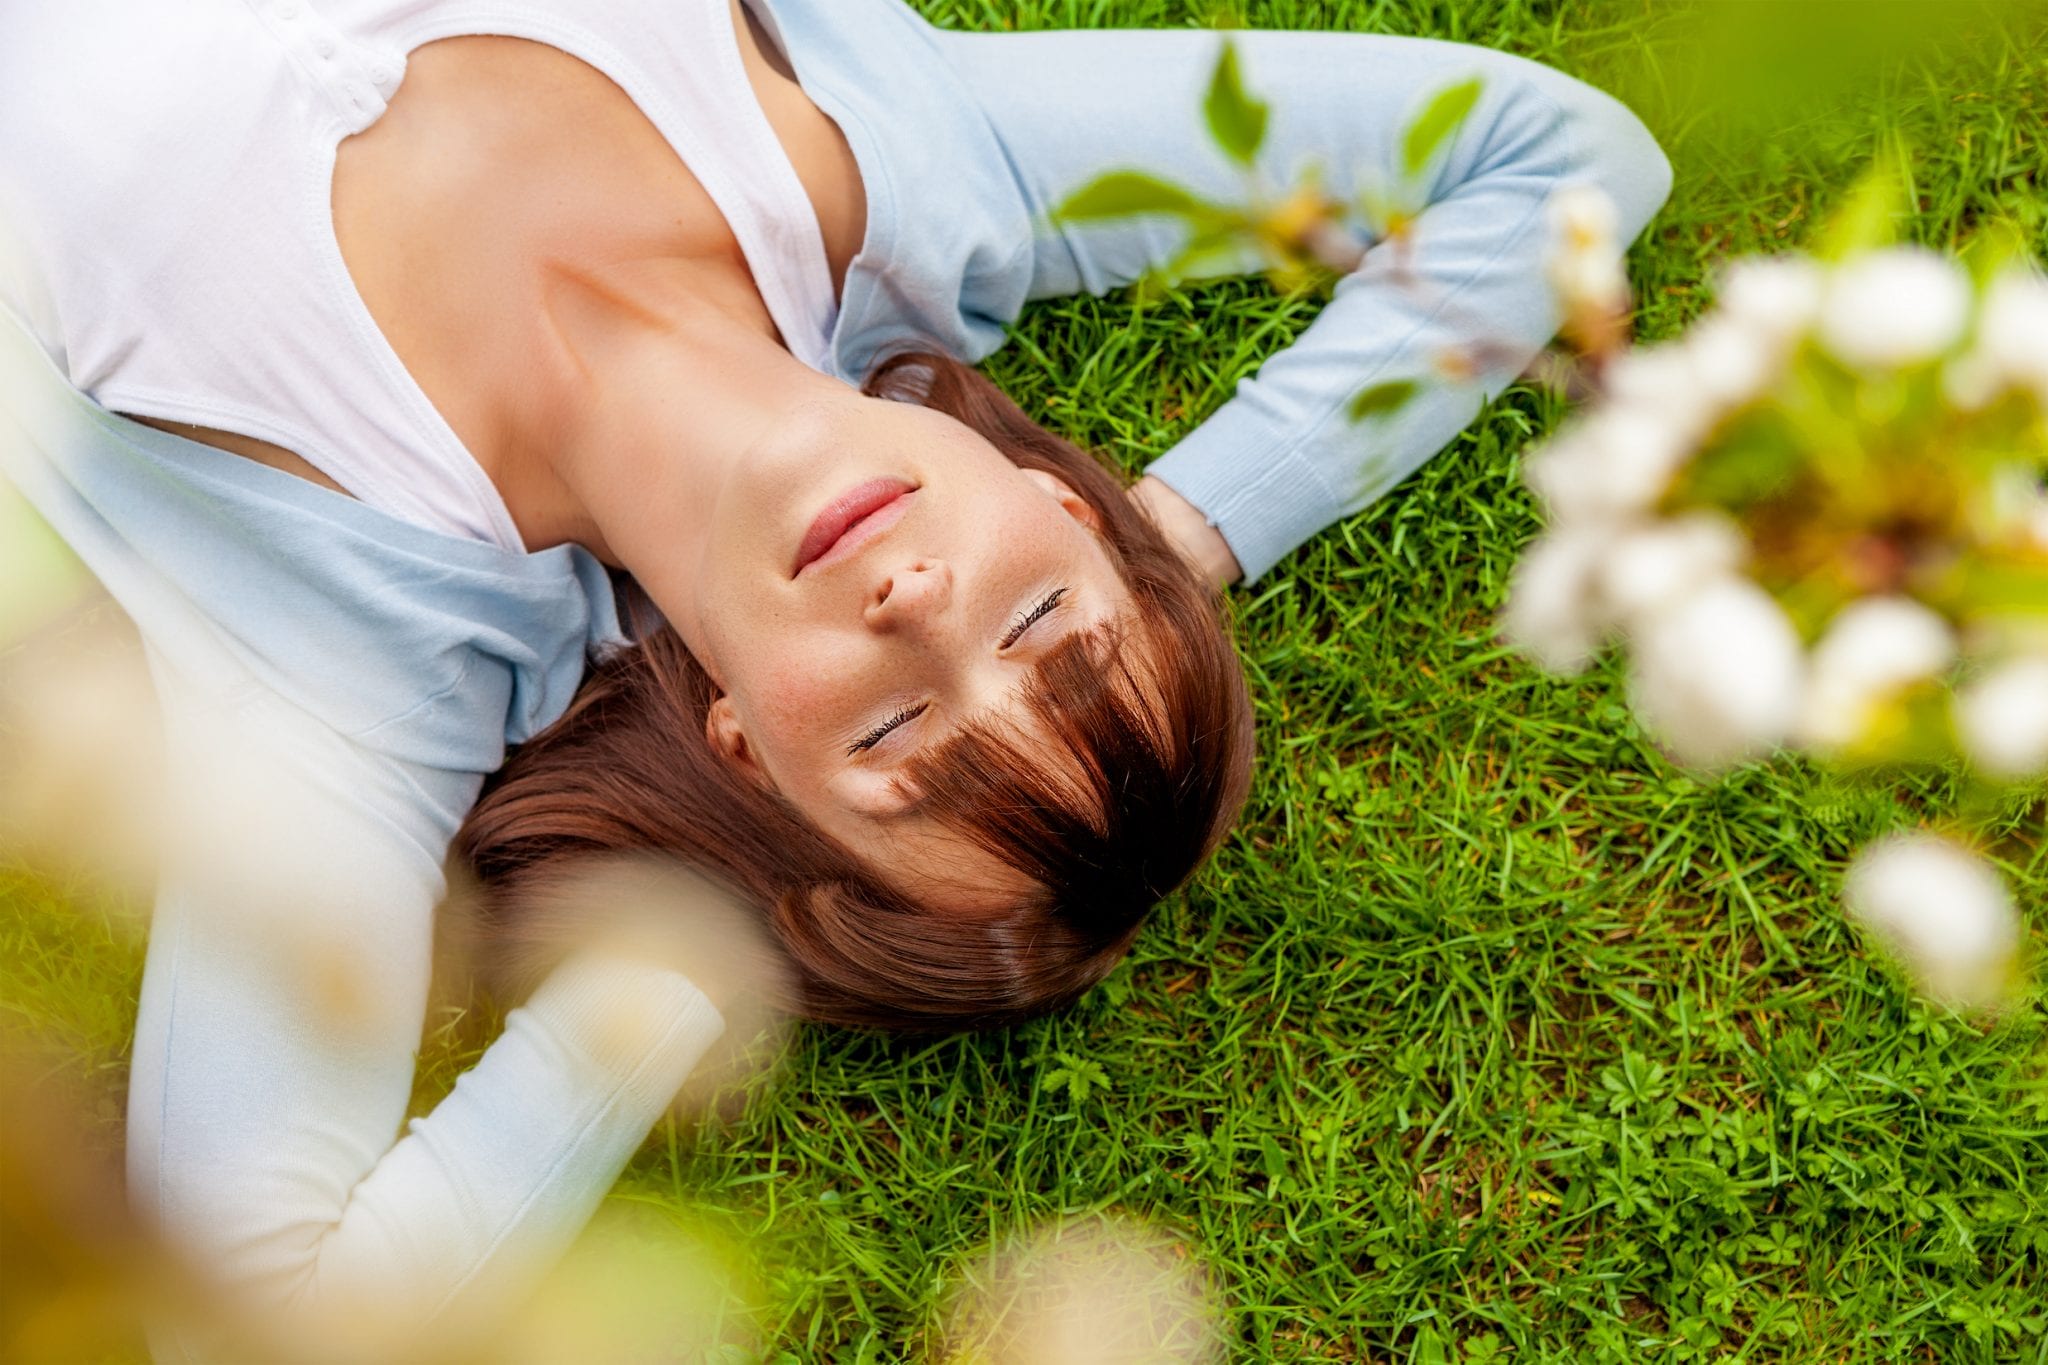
(596, 279)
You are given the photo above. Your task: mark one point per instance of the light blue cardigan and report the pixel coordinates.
(388, 666)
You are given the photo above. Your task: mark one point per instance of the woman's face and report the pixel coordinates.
(876, 574)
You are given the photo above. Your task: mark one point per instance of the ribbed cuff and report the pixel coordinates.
(646, 1024)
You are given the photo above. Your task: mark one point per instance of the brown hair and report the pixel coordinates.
(1152, 716)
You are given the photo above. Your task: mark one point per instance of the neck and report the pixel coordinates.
(666, 373)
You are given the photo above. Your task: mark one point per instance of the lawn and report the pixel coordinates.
(1489, 1032)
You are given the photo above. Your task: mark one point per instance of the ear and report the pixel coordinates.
(728, 740)
(1075, 506)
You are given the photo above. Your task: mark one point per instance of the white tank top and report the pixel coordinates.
(166, 176)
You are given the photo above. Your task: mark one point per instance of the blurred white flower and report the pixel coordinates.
(640, 1284)
(1873, 648)
(2012, 331)
(1589, 282)
(82, 787)
(1655, 378)
(1660, 561)
(1552, 610)
(1615, 462)
(1717, 676)
(1968, 382)
(1585, 265)
(1775, 298)
(2012, 507)
(1087, 1291)
(1942, 908)
(1730, 363)
(1582, 217)
(2003, 719)
(1895, 307)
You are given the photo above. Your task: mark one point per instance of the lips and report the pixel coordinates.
(851, 519)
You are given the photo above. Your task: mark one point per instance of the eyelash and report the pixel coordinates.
(1052, 599)
(1023, 623)
(874, 736)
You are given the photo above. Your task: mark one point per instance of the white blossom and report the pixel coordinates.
(1585, 266)
(1730, 363)
(1895, 307)
(1872, 649)
(1659, 378)
(1943, 909)
(1553, 609)
(1717, 675)
(1969, 382)
(1615, 462)
(1582, 216)
(2003, 718)
(1589, 282)
(1661, 561)
(2012, 331)
(1776, 298)
(2013, 507)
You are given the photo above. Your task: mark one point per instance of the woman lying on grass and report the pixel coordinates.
(485, 300)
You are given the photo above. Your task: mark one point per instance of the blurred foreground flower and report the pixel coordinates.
(1586, 271)
(81, 767)
(2003, 718)
(1802, 439)
(1088, 1291)
(1815, 520)
(639, 1285)
(658, 913)
(1942, 909)
(78, 1275)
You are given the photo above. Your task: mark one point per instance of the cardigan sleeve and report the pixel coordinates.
(283, 1003)
(1281, 459)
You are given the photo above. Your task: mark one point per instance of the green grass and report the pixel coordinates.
(1488, 1029)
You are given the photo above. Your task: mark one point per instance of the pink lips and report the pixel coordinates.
(852, 519)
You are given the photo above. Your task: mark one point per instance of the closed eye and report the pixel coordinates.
(874, 736)
(1025, 622)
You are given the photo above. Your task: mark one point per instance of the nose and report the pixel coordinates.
(912, 596)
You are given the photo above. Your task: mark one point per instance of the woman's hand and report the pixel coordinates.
(1202, 544)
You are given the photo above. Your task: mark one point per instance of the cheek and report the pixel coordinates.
(792, 695)
(797, 701)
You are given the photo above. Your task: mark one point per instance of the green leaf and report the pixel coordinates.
(1236, 119)
(1122, 194)
(1214, 246)
(1439, 120)
(1273, 1158)
(1078, 1076)
(1383, 400)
